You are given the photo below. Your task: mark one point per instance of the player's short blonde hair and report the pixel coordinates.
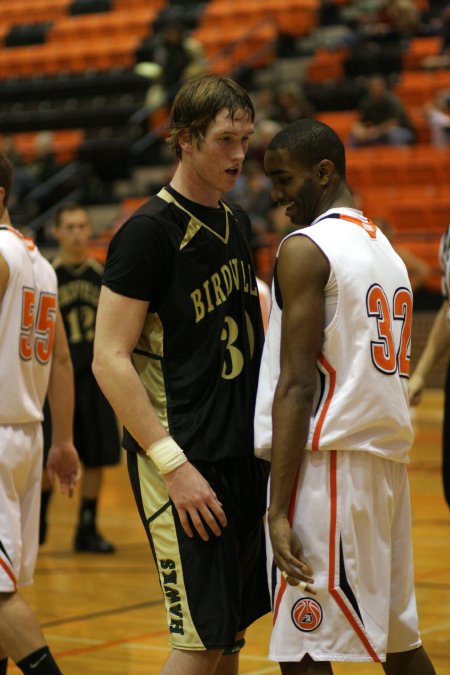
(198, 102)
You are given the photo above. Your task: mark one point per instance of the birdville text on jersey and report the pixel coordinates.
(233, 276)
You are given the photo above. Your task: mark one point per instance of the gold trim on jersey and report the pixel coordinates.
(164, 541)
(195, 224)
(147, 360)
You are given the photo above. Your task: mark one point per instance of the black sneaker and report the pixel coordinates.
(42, 531)
(92, 542)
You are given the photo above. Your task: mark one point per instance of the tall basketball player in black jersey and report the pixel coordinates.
(177, 350)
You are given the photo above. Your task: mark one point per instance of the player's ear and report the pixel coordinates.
(324, 171)
(185, 141)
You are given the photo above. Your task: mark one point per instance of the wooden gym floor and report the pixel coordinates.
(103, 615)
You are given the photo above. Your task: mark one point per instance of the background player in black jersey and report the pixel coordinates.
(95, 427)
(177, 350)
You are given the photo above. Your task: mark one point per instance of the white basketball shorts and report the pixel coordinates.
(351, 511)
(20, 494)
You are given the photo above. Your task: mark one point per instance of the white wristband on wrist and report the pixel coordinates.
(166, 454)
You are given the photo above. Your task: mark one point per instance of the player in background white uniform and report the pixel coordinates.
(333, 387)
(34, 357)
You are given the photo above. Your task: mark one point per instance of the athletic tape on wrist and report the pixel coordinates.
(166, 454)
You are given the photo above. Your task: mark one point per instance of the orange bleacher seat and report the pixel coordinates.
(440, 212)
(397, 166)
(244, 41)
(24, 11)
(428, 251)
(374, 202)
(421, 215)
(420, 124)
(217, 11)
(341, 121)
(104, 24)
(52, 58)
(223, 64)
(298, 18)
(412, 216)
(415, 88)
(294, 17)
(326, 65)
(132, 5)
(358, 170)
(418, 49)
(388, 168)
(65, 143)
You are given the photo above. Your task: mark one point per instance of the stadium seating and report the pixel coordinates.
(67, 66)
(65, 144)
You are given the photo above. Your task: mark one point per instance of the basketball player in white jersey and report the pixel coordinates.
(34, 357)
(332, 415)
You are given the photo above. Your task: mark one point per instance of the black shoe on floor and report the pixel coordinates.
(92, 542)
(42, 531)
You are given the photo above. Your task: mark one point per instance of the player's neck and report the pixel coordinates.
(192, 188)
(74, 259)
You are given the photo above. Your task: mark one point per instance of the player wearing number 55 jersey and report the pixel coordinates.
(332, 414)
(34, 357)
(177, 350)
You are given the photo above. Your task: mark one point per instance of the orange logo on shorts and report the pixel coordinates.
(307, 615)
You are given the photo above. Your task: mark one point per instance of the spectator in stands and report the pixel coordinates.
(383, 119)
(44, 164)
(291, 104)
(265, 129)
(418, 269)
(23, 181)
(175, 59)
(252, 191)
(265, 104)
(383, 20)
(442, 59)
(401, 18)
(438, 115)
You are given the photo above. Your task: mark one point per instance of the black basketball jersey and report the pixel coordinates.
(78, 293)
(199, 351)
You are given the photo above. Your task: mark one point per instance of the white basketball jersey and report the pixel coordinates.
(27, 329)
(361, 398)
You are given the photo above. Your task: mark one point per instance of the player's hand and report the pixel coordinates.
(195, 501)
(416, 385)
(288, 554)
(63, 462)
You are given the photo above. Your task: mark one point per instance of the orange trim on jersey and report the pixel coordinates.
(333, 590)
(277, 603)
(29, 243)
(368, 226)
(290, 518)
(332, 383)
(8, 572)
